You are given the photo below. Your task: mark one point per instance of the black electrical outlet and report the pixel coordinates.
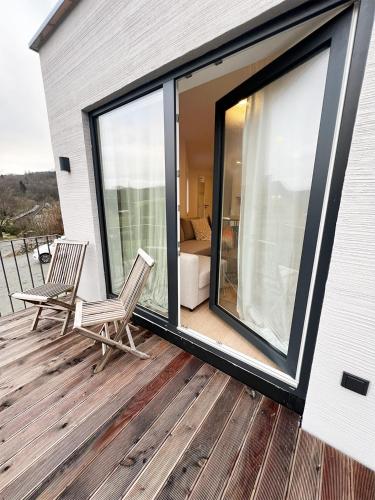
(354, 383)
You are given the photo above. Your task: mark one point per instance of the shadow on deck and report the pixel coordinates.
(170, 427)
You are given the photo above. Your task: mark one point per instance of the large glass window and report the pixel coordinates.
(269, 153)
(131, 140)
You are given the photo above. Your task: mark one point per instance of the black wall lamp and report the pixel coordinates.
(64, 163)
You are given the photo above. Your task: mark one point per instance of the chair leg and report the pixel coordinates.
(105, 333)
(120, 332)
(130, 337)
(66, 322)
(101, 365)
(36, 319)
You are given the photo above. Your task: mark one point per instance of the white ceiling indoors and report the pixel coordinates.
(199, 92)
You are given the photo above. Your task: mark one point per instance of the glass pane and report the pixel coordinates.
(269, 154)
(133, 172)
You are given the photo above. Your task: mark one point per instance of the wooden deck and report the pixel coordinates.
(170, 427)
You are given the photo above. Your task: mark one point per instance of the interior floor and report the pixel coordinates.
(205, 322)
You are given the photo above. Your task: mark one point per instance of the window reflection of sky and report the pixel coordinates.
(132, 144)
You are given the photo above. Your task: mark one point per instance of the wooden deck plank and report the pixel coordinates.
(336, 475)
(12, 426)
(24, 397)
(157, 470)
(36, 474)
(109, 449)
(145, 429)
(15, 348)
(273, 480)
(306, 469)
(21, 329)
(22, 346)
(28, 360)
(64, 423)
(248, 465)
(186, 471)
(15, 319)
(80, 394)
(215, 474)
(363, 482)
(21, 388)
(33, 392)
(141, 452)
(44, 352)
(27, 375)
(16, 417)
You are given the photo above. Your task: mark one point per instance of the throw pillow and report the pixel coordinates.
(187, 229)
(202, 229)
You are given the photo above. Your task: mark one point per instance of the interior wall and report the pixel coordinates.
(183, 166)
(193, 175)
(196, 135)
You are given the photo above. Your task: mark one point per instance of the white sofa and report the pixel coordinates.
(195, 278)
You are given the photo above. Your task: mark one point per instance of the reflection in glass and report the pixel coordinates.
(270, 144)
(133, 172)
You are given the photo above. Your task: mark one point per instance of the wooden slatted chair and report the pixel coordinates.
(63, 277)
(117, 311)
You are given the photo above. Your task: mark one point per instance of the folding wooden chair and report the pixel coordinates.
(117, 311)
(63, 277)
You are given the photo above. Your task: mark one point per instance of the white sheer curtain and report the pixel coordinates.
(279, 143)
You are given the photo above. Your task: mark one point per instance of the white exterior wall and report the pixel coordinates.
(100, 50)
(346, 338)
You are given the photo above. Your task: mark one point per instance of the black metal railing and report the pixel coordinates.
(23, 265)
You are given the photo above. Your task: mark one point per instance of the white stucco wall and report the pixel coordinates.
(346, 338)
(98, 50)
(101, 49)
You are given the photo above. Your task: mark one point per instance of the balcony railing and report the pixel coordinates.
(23, 265)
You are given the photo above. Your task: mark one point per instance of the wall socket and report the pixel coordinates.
(354, 383)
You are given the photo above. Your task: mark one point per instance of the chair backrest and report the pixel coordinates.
(66, 263)
(136, 280)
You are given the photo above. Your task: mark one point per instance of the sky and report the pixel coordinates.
(25, 144)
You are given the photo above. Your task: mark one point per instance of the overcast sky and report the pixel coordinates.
(24, 135)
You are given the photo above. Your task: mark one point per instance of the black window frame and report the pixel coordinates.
(333, 36)
(269, 25)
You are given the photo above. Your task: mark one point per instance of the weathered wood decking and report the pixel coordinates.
(170, 427)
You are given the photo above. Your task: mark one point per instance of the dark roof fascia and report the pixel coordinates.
(53, 20)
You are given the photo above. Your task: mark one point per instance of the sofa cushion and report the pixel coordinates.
(204, 271)
(196, 247)
(187, 229)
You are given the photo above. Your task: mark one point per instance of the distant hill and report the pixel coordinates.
(31, 188)
(20, 194)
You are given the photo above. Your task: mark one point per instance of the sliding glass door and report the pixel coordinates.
(273, 143)
(273, 139)
(132, 158)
